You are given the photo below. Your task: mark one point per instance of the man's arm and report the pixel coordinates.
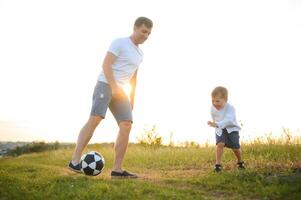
(133, 86)
(108, 72)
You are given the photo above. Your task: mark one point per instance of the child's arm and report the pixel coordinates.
(228, 119)
(212, 123)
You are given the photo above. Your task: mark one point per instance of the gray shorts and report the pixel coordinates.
(231, 140)
(102, 99)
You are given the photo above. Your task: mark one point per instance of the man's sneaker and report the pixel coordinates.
(241, 165)
(217, 168)
(75, 168)
(124, 174)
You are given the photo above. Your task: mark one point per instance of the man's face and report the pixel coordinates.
(218, 102)
(141, 33)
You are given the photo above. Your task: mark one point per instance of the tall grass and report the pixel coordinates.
(166, 172)
(286, 138)
(150, 137)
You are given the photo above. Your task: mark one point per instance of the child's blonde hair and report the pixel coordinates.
(221, 92)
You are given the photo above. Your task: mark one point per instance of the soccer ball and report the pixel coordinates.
(92, 163)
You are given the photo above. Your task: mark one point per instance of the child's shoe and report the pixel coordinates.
(241, 165)
(217, 168)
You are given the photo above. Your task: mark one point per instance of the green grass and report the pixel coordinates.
(165, 173)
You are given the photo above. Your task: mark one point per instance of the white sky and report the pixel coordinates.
(51, 54)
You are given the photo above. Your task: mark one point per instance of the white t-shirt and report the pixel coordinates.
(129, 57)
(225, 118)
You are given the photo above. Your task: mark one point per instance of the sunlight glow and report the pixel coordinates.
(127, 89)
(215, 43)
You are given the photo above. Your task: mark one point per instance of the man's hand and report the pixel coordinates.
(212, 124)
(117, 91)
(132, 105)
(133, 82)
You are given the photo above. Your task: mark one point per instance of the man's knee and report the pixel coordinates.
(94, 120)
(125, 126)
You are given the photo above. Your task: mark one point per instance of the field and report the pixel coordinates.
(273, 172)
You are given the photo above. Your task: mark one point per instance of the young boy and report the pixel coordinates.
(226, 127)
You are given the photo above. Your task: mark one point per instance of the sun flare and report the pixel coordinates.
(127, 89)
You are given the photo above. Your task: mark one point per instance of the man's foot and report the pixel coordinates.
(124, 174)
(241, 165)
(75, 168)
(217, 168)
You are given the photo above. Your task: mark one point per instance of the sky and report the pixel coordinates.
(51, 53)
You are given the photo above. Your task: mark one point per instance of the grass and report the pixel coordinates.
(273, 172)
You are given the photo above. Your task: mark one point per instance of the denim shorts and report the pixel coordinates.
(231, 140)
(102, 100)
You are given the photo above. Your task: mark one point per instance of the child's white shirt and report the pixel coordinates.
(225, 119)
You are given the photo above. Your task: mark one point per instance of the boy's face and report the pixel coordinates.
(141, 33)
(218, 102)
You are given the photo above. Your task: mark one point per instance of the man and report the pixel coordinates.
(120, 67)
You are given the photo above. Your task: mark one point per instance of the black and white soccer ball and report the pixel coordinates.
(92, 163)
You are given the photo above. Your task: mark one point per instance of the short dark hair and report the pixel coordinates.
(143, 20)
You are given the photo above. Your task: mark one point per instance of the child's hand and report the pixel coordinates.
(212, 124)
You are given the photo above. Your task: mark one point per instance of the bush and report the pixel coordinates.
(150, 138)
(37, 146)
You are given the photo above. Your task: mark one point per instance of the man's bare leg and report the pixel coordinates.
(121, 144)
(84, 137)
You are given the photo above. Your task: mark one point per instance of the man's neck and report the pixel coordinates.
(133, 40)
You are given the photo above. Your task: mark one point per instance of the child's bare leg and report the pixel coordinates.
(219, 152)
(237, 153)
(240, 163)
